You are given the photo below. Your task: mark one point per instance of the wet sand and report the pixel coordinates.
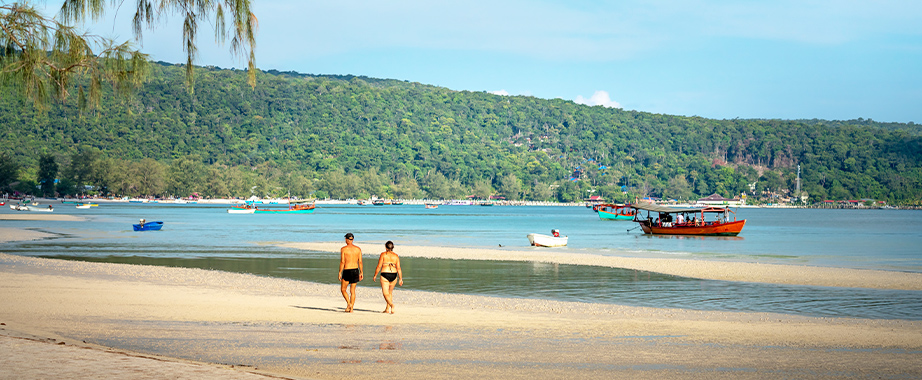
(33, 357)
(139, 322)
(18, 234)
(298, 329)
(702, 269)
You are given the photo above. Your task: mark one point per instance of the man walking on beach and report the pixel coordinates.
(350, 270)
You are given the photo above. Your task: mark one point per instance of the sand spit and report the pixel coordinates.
(18, 234)
(43, 217)
(297, 329)
(709, 270)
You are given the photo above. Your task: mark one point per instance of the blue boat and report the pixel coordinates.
(148, 226)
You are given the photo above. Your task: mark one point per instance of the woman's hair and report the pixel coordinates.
(389, 245)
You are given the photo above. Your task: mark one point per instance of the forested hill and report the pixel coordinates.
(347, 136)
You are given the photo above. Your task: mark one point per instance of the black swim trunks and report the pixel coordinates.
(389, 276)
(351, 275)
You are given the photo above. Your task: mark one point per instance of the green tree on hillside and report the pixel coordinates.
(47, 174)
(8, 171)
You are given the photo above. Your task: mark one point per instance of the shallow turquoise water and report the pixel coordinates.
(207, 237)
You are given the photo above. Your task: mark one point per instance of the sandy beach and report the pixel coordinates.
(102, 320)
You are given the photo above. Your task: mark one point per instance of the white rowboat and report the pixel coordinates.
(241, 211)
(540, 240)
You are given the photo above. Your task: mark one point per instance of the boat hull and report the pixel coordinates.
(722, 229)
(268, 211)
(539, 240)
(241, 211)
(605, 215)
(39, 209)
(149, 226)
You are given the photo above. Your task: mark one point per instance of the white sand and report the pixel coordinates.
(710, 270)
(296, 329)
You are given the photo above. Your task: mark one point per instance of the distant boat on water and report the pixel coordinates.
(608, 211)
(294, 207)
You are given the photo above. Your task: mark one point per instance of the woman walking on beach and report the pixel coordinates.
(389, 268)
(350, 270)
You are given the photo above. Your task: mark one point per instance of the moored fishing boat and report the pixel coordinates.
(608, 211)
(294, 207)
(430, 205)
(539, 240)
(689, 221)
(241, 210)
(84, 206)
(40, 209)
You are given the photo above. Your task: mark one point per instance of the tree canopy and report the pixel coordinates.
(349, 136)
(43, 56)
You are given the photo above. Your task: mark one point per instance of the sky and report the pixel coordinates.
(722, 59)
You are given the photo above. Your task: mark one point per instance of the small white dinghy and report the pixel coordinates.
(539, 240)
(241, 211)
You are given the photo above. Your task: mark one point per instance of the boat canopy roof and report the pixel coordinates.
(667, 209)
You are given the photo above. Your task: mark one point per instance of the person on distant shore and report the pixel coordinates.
(350, 270)
(389, 267)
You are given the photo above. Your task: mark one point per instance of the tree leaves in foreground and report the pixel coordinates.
(42, 56)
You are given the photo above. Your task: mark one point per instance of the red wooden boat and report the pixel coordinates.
(708, 221)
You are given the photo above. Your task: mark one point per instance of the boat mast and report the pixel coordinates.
(797, 193)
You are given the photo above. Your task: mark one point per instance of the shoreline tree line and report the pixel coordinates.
(353, 137)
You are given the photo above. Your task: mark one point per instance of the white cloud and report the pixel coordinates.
(599, 98)
(500, 92)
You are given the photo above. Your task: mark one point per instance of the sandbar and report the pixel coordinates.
(701, 269)
(19, 234)
(42, 217)
(296, 329)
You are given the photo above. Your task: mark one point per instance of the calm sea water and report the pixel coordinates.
(205, 236)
